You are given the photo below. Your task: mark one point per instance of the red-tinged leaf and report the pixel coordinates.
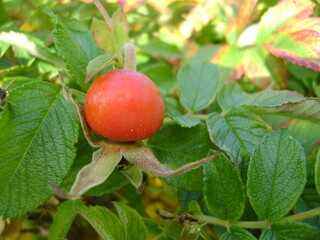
(245, 14)
(102, 35)
(301, 48)
(229, 58)
(255, 68)
(238, 24)
(301, 24)
(278, 69)
(128, 5)
(280, 14)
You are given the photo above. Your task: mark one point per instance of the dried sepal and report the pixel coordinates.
(92, 140)
(102, 165)
(143, 157)
(134, 174)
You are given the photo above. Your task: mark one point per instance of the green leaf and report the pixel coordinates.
(134, 227)
(223, 189)
(268, 234)
(176, 146)
(75, 45)
(317, 173)
(31, 45)
(185, 120)
(36, 145)
(63, 219)
(237, 133)
(306, 132)
(237, 233)
(290, 230)
(307, 108)
(105, 222)
(276, 175)
(96, 65)
(102, 35)
(199, 84)
(157, 48)
(120, 29)
(232, 95)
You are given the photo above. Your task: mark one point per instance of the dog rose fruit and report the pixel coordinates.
(123, 106)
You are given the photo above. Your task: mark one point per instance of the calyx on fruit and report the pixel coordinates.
(109, 155)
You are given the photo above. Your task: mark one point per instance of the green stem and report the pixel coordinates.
(77, 93)
(258, 224)
(104, 13)
(217, 221)
(199, 116)
(303, 215)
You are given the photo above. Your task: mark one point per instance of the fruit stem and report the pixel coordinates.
(129, 57)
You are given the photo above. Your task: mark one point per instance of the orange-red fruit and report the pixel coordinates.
(124, 106)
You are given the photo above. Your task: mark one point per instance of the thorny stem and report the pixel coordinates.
(257, 224)
(104, 13)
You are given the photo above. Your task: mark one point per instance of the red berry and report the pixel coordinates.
(124, 106)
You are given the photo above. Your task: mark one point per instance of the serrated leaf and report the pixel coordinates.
(96, 65)
(63, 219)
(185, 120)
(295, 231)
(75, 45)
(134, 227)
(284, 11)
(120, 29)
(31, 45)
(102, 35)
(268, 234)
(298, 47)
(105, 222)
(176, 146)
(307, 108)
(199, 84)
(237, 132)
(36, 145)
(276, 175)
(237, 233)
(317, 173)
(223, 189)
(232, 95)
